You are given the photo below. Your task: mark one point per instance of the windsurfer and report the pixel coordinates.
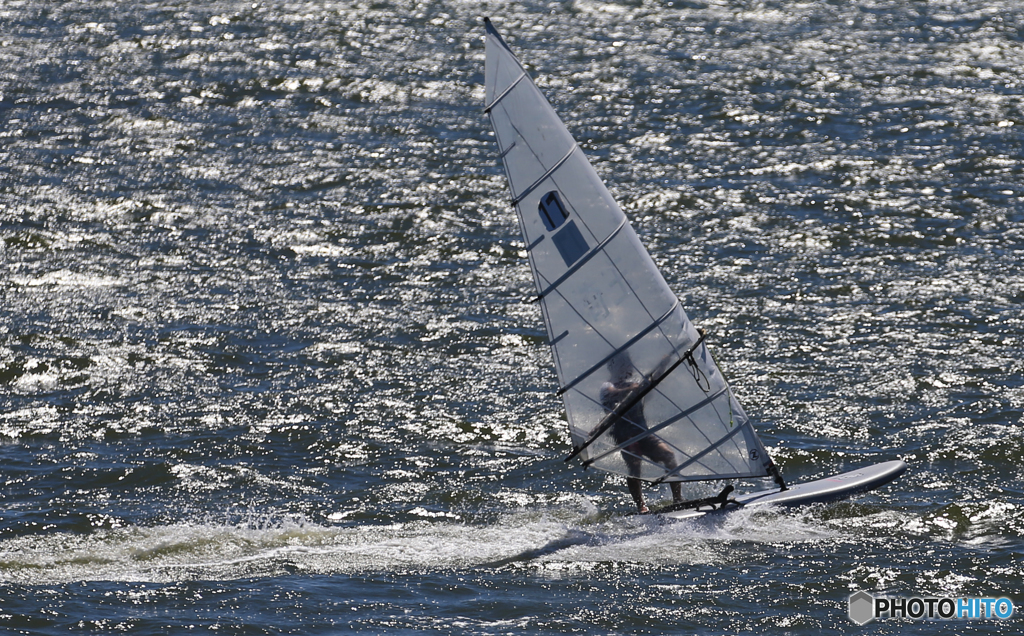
(632, 423)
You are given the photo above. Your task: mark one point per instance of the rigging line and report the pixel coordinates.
(511, 122)
(487, 109)
(558, 364)
(639, 297)
(580, 263)
(652, 431)
(698, 374)
(504, 165)
(697, 380)
(632, 341)
(537, 276)
(508, 176)
(674, 418)
(548, 173)
(509, 180)
(732, 423)
(667, 397)
(696, 457)
(629, 403)
(492, 31)
(642, 251)
(750, 427)
(681, 415)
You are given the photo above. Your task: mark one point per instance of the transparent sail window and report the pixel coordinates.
(552, 212)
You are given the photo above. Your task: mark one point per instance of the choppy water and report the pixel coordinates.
(265, 366)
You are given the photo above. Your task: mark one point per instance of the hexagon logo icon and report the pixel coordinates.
(862, 607)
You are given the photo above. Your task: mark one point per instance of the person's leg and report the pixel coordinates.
(637, 492)
(633, 463)
(660, 452)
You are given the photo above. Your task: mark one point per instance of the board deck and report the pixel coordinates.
(828, 489)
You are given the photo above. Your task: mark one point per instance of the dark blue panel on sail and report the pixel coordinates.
(570, 243)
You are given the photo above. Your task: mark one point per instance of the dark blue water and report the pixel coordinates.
(265, 368)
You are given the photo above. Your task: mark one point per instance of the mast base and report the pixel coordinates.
(721, 500)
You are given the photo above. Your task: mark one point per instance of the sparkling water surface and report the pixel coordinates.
(266, 368)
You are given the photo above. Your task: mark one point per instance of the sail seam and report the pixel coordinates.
(505, 92)
(632, 341)
(580, 263)
(550, 171)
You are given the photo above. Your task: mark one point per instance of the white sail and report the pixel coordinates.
(642, 393)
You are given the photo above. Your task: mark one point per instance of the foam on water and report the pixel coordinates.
(562, 538)
(253, 546)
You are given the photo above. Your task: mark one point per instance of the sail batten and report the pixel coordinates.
(497, 99)
(613, 323)
(547, 175)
